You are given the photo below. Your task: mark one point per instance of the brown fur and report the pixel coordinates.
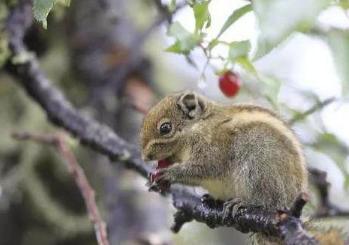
(326, 232)
(242, 151)
(237, 151)
(330, 237)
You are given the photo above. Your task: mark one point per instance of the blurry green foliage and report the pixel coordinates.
(185, 40)
(41, 9)
(246, 64)
(329, 144)
(202, 15)
(4, 51)
(271, 88)
(172, 5)
(238, 50)
(234, 16)
(339, 44)
(38, 169)
(279, 19)
(343, 3)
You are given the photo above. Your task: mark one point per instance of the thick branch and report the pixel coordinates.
(57, 108)
(79, 176)
(284, 224)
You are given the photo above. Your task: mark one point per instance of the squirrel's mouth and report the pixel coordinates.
(153, 176)
(164, 163)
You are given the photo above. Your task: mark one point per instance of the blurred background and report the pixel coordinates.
(113, 59)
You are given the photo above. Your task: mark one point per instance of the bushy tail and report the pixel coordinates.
(327, 234)
(324, 234)
(260, 239)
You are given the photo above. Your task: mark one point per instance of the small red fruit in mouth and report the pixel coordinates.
(153, 176)
(162, 186)
(163, 164)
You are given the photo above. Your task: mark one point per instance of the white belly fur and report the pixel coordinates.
(219, 189)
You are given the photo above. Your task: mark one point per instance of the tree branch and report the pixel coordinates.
(58, 141)
(283, 224)
(57, 108)
(326, 208)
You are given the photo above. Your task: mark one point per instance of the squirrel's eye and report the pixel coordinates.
(165, 128)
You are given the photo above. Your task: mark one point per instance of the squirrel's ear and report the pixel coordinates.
(191, 104)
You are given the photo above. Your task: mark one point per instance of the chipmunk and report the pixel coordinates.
(242, 154)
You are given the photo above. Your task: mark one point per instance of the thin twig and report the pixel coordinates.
(58, 141)
(317, 107)
(326, 208)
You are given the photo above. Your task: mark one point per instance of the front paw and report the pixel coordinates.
(159, 181)
(231, 207)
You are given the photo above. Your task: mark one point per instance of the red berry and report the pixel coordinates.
(162, 186)
(156, 185)
(153, 176)
(163, 164)
(229, 83)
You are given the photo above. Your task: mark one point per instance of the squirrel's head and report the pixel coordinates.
(164, 128)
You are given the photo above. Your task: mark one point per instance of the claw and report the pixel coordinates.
(154, 176)
(153, 187)
(157, 183)
(231, 207)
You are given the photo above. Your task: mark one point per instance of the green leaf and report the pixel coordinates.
(175, 48)
(65, 3)
(271, 89)
(4, 47)
(4, 51)
(185, 41)
(202, 15)
(239, 49)
(3, 14)
(339, 44)
(177, 31)
(172, 6)
(213, 43)
(344, 4)
(41, 9)
(346, 179)
(278, 19)
(329, 144)
(246, 64)
(237, 14)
